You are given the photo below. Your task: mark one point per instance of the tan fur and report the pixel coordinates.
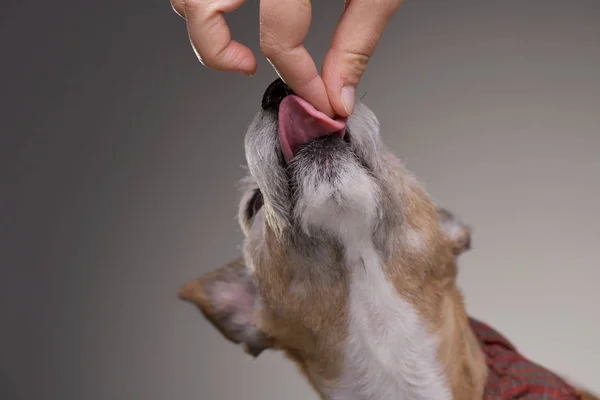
(313, 330)
(581, 391)
(308, 321)
(587, 396)
(430, 285)
(306, 317)
(304, 308)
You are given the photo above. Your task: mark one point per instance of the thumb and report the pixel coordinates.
(354, 42)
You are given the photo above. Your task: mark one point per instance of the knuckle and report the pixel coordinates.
(273, 48)
(269, 47)
(212, 60)
(388, 7)
(192, 4)
(205, 59)
(216, 58)
(177, 6)
(202, 8)
(356, 65)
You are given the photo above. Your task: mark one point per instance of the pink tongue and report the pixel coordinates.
(300, 122)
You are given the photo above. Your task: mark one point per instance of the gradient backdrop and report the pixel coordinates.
(120, 154)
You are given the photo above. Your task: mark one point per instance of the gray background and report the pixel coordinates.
(120, 154)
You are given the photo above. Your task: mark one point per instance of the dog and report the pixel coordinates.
(350, 269)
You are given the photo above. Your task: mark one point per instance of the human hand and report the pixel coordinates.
(284, 25)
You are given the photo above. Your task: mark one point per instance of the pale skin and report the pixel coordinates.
(284, 25)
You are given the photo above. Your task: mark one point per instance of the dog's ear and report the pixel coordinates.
(456, 232)
(228, 297)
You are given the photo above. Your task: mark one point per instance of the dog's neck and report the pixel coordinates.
(408, 335)
(389, 353)
(348, 267)
(392, 352)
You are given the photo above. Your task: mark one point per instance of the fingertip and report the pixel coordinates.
(237, 58)
(334, 84)
(317, 96)
(354, 42)
(338, 106)
(342, 100)
(347, 97)
(247, 64)
(298, 71)
(320, 100)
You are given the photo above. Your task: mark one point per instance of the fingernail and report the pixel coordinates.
(348, 99)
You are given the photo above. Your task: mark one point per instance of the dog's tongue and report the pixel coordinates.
(300, 122)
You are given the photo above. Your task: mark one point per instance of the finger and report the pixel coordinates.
(354, 42)
(211, 38)
(177, 6)
(283, 27)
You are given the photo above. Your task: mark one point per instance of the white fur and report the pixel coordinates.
(414, 240)
(452, 229)
(389, 353)
(346, 208)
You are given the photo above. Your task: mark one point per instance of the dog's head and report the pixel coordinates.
(323, 199)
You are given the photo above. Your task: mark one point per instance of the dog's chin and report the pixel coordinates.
(324, 158)
(332, 189)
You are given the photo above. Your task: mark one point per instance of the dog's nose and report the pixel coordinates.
(276, 92)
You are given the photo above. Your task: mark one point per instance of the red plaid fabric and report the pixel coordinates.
(512, 376)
